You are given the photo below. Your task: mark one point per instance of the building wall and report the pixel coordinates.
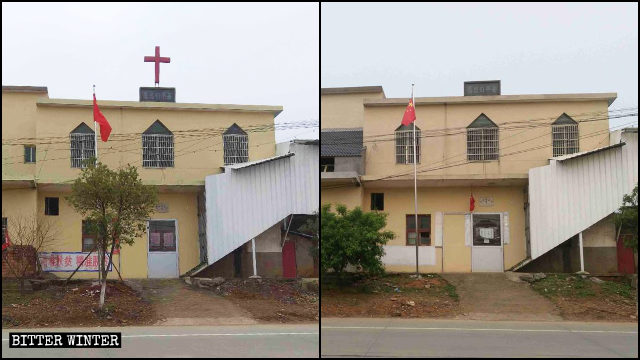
(399, 202)
(19, 115)
(348, 163)
(19, 202)
(344, 110)
(451, 149)
(133, 261)
(349, 195)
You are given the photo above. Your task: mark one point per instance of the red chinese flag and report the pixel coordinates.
(7, 242)
(409, 114)
(472, 203)
(105, 128)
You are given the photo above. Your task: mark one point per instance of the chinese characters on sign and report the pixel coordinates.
(69, 261)
(158, 94)
(472, 88)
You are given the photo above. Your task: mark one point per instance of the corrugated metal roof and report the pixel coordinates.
(256, 162)
(341, 143)
(584, 153)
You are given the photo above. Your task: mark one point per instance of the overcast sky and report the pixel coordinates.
(531, 48)
(258, 54)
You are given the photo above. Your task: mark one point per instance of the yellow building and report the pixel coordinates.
(174, 146)
(481, 144)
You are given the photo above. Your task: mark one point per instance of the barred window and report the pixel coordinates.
(236, 145)
(157, 146)
(29, 153)
(83, 144)
(404, 144)
(564, 136)
(482, 139)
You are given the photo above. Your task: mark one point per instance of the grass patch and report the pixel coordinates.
(564, 285)
(622, 289)
(451, 291)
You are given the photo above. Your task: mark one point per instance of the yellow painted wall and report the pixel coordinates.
(19, 114)
(399, 202)
(182, 207)
(457, 256)
(350, 196)
(344, 110)
(19, 202)
(447, 150)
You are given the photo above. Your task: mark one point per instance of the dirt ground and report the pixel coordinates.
(581, 299)
(176, 303)
(75, 305)
(492, 296)
(272, 300)
(391, 295)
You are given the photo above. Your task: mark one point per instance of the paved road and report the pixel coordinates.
(191, 341)
(468, 338)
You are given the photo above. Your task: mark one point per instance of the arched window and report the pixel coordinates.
(564, 136)
(236, 145)
(482, 139)
(157, 146)
(404, 144)
(83, 142)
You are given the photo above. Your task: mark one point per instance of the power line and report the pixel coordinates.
(465, 162)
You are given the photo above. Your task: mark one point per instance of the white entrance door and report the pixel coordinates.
(162, 243)
(486, 250)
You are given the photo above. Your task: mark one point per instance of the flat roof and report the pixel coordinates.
(610, 97)
(13, 88)
(352, 90)
(110, 104)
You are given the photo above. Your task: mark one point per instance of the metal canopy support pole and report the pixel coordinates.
(581, 254)
(253, 251)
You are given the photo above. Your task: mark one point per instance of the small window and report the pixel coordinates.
(83, 143)
(29, 153)
(157, 146)
(89, 236)
(162, 235)
(404, 144)
(377, 201)
(565, 136)
(482, 139)
(236, 145)
(486, 230)
(424, 229)
(51, 206)
(327, 164)
(4, 230)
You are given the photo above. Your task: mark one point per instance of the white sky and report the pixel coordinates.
(531, 48)
(257, 54)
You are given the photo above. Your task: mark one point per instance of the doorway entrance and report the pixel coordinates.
(486, 250)
(162, 255)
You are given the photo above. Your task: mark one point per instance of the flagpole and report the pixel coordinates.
(95, 127)
(415, 182)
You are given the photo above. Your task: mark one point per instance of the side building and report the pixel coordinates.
(482, 145)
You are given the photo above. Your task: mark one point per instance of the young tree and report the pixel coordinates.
(29, 235)
(352, 237)
(627, 219)
(117, 204)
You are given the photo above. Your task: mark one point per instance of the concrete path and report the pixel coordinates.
(491, 296)
(255, 341)
(179, 304)
(351, 337)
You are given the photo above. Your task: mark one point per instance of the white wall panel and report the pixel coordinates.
(566, 197)
(244, 202)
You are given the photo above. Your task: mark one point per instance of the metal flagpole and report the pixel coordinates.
(95, 137)
(95, 128)
(415, 181)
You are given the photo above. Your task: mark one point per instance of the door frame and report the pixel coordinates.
(175, 224)
(492, 246)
